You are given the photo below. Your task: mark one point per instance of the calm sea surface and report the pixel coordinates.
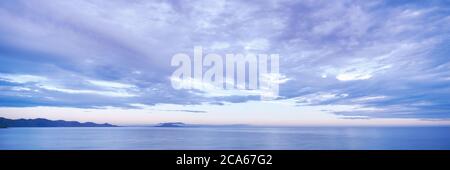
(226, 138)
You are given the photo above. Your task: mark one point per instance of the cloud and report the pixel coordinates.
(191, 111)
(93, 92)
(21, 78)
(389, 58)
(109, 84)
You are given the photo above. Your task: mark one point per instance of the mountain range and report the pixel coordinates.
(4, 122)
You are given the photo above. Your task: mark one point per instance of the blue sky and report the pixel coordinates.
(345, 62)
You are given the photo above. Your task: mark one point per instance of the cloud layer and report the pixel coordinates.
(393, 59)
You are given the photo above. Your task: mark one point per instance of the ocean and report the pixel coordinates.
(224, 138)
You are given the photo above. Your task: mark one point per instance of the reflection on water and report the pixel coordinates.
(227, 138)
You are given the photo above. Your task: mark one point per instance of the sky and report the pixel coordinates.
(343, 62)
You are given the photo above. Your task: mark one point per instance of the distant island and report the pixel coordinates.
(4, 123)
(171, 124)
(181, 124)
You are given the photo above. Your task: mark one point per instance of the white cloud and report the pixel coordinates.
(91, 92)
(369, 98)
(21, 78)
(317, 98)
(110, 84)
(210, 90)
(114, 89)
(353, 76)
(360, 69)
